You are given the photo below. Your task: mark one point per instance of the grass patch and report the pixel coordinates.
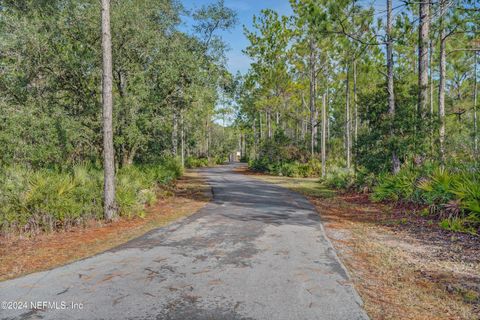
(305, 186)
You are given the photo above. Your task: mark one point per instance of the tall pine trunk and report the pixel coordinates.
(441, 88)
(432, 135)
(355, 107)
(261, 127)
(475, 96)
(390, 88)
(175, 133)
(348, 143)
(255, 135)
(269, 124)
(423, 40)
(182, 139)
(324, 135)
(312, 99)
(110, 208)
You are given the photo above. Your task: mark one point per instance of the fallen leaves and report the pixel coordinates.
(21, 255)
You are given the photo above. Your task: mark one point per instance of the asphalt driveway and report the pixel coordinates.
(257, 251)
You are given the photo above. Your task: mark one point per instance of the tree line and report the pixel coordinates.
(359, 87)
(382, 101)
(109, 84)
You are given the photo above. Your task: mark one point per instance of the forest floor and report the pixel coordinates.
(401, 263)
(26, 254)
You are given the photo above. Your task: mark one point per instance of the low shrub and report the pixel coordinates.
(453, 195)
(458, 225)
(399, 187)
(467, 190)
(217, 160)
(339, 178)
(311, 168)
(437, 187)
(45, 200)
(193, 162)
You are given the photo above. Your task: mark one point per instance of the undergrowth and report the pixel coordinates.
(50, 199)
(452, 195)
(201, 162)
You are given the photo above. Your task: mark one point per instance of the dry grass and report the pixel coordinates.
(21, 255)
(308, 186)
(398, 274)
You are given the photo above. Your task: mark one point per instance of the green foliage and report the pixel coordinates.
(451, 193)
(400, 187)
(467, 191)
(201, 162)
(457, 225)
(279, 157)
(437, 188)
(296, 169)
(34, 200)
(193, 162)
(339, 178)
(403, 134)
(364, 180)
(46, 199)
(311, 168)
(218, 159)
(165, 83)
(50, 79)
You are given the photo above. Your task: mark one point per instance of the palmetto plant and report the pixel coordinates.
(467, 190)
(437, 188)
(50, 199)
(399, 187)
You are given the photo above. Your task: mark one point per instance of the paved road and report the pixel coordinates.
(257, 251)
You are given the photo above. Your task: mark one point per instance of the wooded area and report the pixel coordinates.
(116, 94)
(372, 100)
(61, 61)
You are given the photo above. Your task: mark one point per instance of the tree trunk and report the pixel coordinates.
(312, 99)
(261, 127)
(175, 133)
(304, 121)
(110, 208)
(206, 136)
(131, 154)
(255, 135)
(209, 140)
(390, 87)
(347, 114)
(324, 135)
(182, 139)
(475, 95)
(269, 125)
(431, 96)
(242, 146)
(441, 88)
(355, 108)
(423, 40)
(328, 118)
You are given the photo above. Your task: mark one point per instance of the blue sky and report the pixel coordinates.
(235, 38)
(245, 9)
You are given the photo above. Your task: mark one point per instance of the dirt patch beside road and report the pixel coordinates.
(404, 266)
(20, 255)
